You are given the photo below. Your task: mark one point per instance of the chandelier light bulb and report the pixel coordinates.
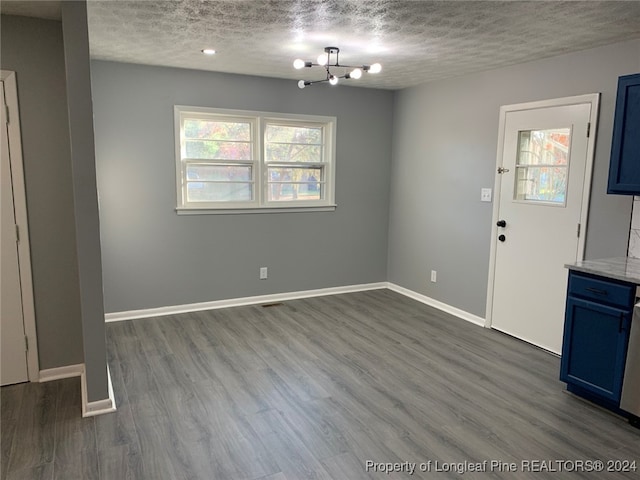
(356, 73)
(301, 84)
(375, 68)
(322, 59)
(298, 63)
(333, 80)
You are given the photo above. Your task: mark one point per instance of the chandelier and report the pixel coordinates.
(325, 61)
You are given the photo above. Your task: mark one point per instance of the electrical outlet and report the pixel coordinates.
(263, 273)
(433, 276)
(485, 195)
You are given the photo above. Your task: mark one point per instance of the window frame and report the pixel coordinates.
(259, 121)
(524, 166)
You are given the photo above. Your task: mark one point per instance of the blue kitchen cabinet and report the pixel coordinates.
(624, 167)
(596, 334)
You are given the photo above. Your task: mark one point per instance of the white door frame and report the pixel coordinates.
(20, 205)
(594, 100)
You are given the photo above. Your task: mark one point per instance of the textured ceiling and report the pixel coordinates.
(416, 41)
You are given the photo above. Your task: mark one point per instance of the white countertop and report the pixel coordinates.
(626, 269)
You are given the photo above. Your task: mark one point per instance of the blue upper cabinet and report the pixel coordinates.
(624, 170)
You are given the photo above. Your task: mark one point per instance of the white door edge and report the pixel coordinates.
(20, 205)
(594, 100)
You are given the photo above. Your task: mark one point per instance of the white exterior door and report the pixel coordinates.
(545, 152)
(13, 353)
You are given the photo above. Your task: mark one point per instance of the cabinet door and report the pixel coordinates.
(595, 347)
(624, 169)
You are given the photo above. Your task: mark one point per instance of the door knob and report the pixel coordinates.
(501, 223)
(502, 238)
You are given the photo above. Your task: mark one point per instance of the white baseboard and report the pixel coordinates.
(98, 407)
(469, 317)
(237, 302)
(68, 371)
(281, 297)
(89, 409)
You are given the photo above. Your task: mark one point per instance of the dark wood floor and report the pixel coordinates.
(311, 388)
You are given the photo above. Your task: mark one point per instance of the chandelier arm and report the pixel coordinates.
(340, 66)
(347, 66)
(311, 82)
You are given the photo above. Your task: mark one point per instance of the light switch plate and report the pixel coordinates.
(485, 195)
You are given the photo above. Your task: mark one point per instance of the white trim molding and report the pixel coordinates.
(89, 409)
(97, 407)
(68, 371)
(432, 302)
(237, 302)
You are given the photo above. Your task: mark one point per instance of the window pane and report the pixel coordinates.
(541, 165)
(287, 152)
(544, 147)
(220, 173)
(294, 184)
(218, 192)
(288, 134)
(212, 130)
(542, 184)
(217, 150)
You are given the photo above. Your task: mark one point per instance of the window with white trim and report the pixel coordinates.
(237, 160)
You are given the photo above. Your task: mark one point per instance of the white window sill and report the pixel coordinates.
(240, 211)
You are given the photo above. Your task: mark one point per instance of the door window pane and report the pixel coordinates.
(541, 165)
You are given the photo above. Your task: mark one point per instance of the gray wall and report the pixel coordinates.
(445, 142)
(33, 48)
(153, 257)
(83, 166)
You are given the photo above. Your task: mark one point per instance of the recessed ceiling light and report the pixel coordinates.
(208, 51)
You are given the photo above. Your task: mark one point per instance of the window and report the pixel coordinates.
(236, 160)
(542, 166)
